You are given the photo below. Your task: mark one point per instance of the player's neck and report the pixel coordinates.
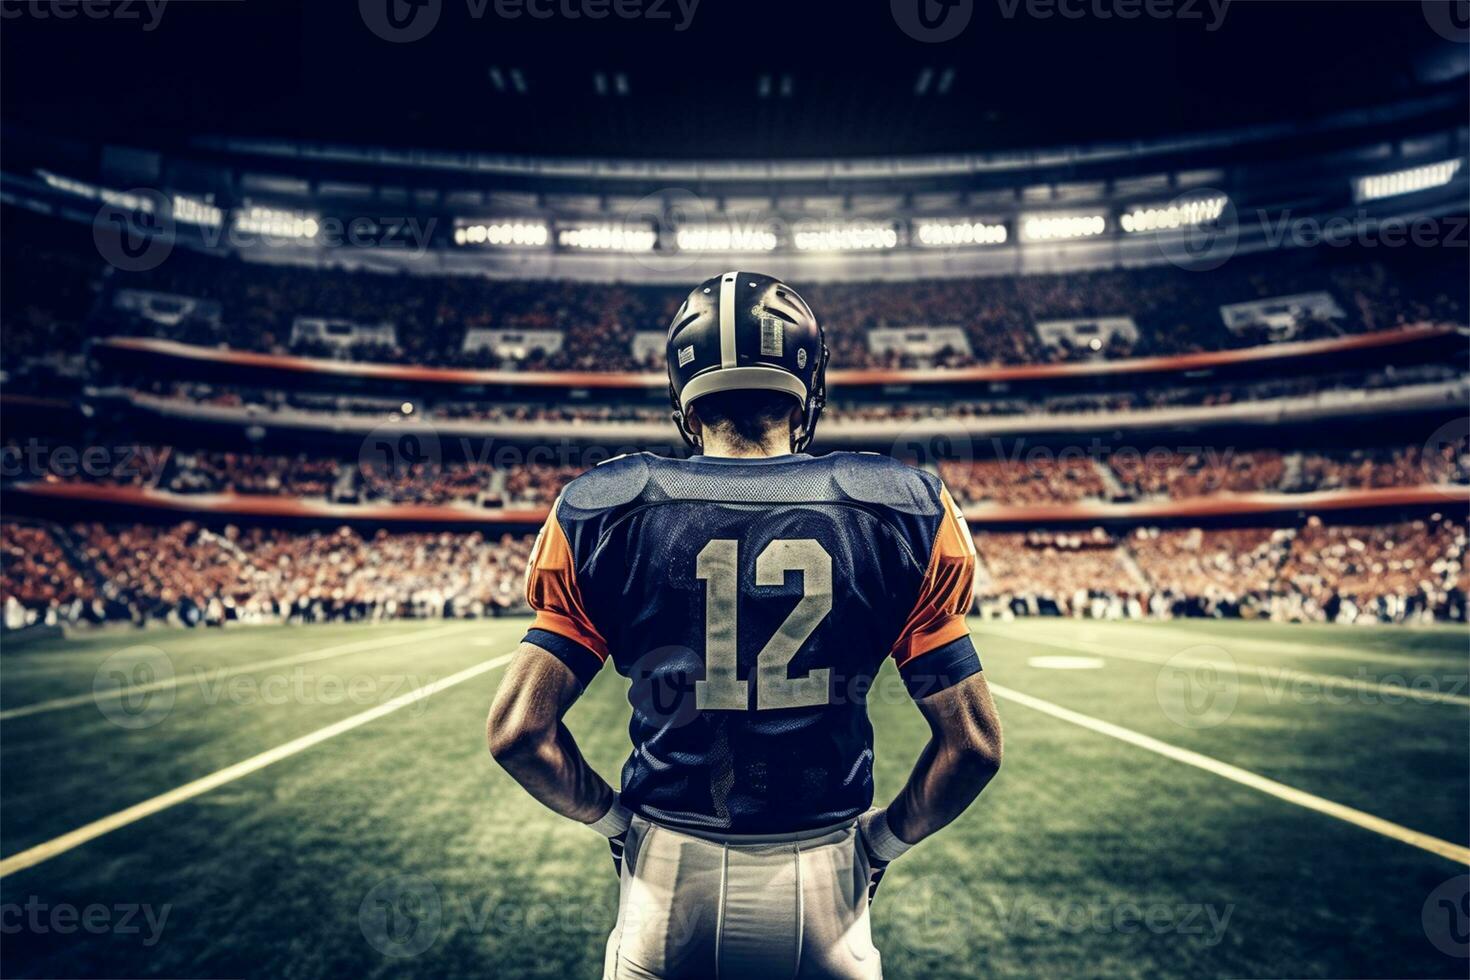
(779, 444)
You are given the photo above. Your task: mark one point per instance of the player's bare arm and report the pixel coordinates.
(527, 737)
(962, 756)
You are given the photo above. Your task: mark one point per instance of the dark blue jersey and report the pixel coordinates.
(750, 603)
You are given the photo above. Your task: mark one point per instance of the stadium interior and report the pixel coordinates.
(278, 366)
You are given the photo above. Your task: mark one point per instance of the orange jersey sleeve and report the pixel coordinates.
(552, 590)
(947, 591)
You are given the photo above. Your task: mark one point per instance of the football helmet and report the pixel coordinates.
(742, 331)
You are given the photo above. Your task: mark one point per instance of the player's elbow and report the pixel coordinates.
(512, 732)
(512, 744)
(980, 754)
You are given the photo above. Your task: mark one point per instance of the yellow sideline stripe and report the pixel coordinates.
(305, 657)
(60, 845)
(1425, 842)
(1260, 671)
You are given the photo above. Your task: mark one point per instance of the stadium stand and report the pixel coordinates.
(62, 297)
(191, 575)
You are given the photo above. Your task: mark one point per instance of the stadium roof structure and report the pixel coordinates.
(711, 79)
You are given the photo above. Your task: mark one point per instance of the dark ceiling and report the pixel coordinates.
(742, 79)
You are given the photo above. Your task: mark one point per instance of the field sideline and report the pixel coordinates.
(302, 801)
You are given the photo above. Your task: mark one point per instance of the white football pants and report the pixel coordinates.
(773, 908)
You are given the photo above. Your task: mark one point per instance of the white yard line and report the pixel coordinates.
(1393, 831)
(221, 673)
(1260, 671)
(1161, 632)
(60, 845)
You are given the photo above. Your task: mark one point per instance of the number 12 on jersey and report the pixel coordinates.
(718, 567)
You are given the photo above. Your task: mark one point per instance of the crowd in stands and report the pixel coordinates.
(1048, 479)
(1209, 572)
(1387, 572)
(1018, 475)
(254, 402)
(36, 574)
(1446, 462)
(1052, 571)
(190, 575)
(1199, 473)
(213, 472)
(59, 294)
(1406, 571)
(1409, 570)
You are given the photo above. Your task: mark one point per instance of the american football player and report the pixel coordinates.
(750, 594)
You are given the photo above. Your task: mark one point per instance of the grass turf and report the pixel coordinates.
(398, 848)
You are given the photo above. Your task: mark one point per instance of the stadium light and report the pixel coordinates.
(121, 199)
(1182, 214)
(725, 238)
(275, 223)
(1375, 186)
(844, 236)
(505, 233)
(960, 232)
(1060, 227)
(193, 211)
(609, 237)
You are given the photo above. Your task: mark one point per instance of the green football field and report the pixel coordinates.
(1200, 799)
